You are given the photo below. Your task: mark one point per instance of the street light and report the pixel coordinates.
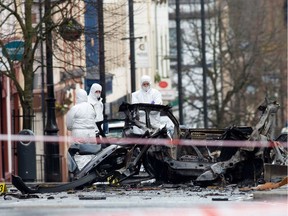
(101, 51)
(204, 66)
(42, 71)
(132, 45)
(51, 149)
(179, 63)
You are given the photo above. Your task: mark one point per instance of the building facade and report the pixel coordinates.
(76, 65)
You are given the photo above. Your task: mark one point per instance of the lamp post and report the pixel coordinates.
(101, 51)
(42, 71)
(179, 63)
(51, 149)
(132, 45)
(2, 161)
(204, 66)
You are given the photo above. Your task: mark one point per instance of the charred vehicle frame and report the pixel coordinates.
(155, 150)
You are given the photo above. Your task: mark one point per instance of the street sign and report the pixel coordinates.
(168, 94)
(14, 50)
(163, 84)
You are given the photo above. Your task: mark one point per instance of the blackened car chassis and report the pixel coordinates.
(120, 162)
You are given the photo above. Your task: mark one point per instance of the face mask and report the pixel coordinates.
(98, 95)
(145, 88)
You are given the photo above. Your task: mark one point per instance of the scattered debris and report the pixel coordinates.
(20, 196)
(85, 197)
(267, 185)
(220, 199)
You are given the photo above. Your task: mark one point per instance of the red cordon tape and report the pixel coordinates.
(142, 141)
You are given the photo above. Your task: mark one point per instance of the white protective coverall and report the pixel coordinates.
(148, 95)
(94, 98)
(81, 122)
(80, 118)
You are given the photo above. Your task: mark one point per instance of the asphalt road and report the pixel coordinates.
(168, 200)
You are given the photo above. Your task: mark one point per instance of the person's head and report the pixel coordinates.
(145, 83)
(81, 96)
(95, 91)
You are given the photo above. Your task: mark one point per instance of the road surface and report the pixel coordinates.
(166, 200)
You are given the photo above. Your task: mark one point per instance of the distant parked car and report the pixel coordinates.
(115, 128)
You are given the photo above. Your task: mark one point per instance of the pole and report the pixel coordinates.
(101, 51)
(179, 63)
(8, 113)
(204, 64)
(42, 70)
(51, 149)
(2, 161)
(132, 45)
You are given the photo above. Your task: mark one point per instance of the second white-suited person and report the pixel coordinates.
(94, 98)
(149, 95)
(80, 121)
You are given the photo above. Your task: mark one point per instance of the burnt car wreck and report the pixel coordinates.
(152, 148)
